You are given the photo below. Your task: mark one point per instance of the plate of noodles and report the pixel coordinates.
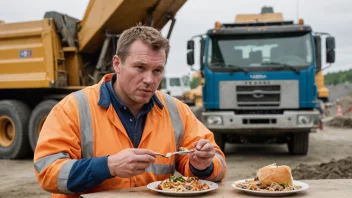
(182, 186)
(274, 190)
(271, 180)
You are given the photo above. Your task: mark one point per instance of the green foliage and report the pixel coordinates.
(195, 82)
(338, 77)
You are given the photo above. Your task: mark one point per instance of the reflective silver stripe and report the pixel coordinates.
(161, 169)
(86, 128)
(222, 166)
(212, 178)
(175, 119)
(42, 163)
(63, 176)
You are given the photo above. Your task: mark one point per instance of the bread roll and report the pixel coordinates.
(272, 173)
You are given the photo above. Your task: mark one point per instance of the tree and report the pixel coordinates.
(195, 82)
(338, 77)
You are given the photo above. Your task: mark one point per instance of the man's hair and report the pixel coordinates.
(148, 35)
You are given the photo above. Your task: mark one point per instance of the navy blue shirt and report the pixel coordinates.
(87, 173)
(134, 126)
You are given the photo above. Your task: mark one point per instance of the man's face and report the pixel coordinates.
(140, 75)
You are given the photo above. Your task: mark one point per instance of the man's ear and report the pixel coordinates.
(116, 63)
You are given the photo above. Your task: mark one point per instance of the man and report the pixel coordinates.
(320, 105)
(104, 137)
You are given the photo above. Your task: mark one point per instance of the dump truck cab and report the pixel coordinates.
(174, 85)
(259, 75)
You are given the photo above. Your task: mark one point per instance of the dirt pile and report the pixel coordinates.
(345, 122)
(340, 169)
(346, 102)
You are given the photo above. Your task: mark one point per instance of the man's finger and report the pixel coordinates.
(144, 158)
(200, 160)
(201, 143)
(142, 165)
(194, 144)
(144, 152)
(204, 154)
(207, 147)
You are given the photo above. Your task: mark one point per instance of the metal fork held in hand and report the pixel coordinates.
(174, 153)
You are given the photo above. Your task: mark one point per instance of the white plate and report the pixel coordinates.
(152, 186)
(272, 193)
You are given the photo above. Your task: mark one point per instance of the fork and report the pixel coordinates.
(174, 153)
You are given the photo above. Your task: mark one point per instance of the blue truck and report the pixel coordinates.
(259, 80)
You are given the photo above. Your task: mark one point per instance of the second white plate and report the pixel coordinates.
(272, 193)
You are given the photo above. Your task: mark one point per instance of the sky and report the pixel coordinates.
(197, 16)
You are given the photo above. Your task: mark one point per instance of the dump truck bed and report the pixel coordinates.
(32, 54)
(118, 15)
(28, 51)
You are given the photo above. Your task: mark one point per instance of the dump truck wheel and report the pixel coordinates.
(37, 119)
(220, 140)
(298, 143)
(14, 116)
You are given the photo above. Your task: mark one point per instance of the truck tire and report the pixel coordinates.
(298, 143)
(37, 119)
(220, 140)
(14, 116)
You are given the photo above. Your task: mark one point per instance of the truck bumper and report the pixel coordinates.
(289, 121)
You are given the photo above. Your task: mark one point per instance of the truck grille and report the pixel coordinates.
(258, 95)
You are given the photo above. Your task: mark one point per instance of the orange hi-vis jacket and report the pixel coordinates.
(78, 128)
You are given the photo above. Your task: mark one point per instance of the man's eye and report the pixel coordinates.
(139, 67)
(158, 70)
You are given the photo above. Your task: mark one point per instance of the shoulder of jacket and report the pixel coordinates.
(71, 101)
(180, 105)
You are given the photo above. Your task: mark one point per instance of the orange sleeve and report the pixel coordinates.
(59, 136)
(193, 131)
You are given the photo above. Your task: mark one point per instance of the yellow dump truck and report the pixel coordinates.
(323, 92)
(43, 61)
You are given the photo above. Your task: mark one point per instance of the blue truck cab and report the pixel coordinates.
(259, 82)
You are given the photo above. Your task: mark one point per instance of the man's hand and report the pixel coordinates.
(203, 156)
(130, 162)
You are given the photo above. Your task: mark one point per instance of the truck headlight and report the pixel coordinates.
(304, 119)
(214, 120)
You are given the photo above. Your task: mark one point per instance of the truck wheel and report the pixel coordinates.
(298, 143)
(220, 140)
(14, 116)
(37, 119)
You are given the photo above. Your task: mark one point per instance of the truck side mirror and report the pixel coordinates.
(330, 56)
(190, 58)
(190, 45)
(190, 53)
(330, 49)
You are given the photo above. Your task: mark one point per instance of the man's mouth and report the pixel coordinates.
(146, 90)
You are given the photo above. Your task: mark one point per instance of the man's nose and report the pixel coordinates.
(148, 77)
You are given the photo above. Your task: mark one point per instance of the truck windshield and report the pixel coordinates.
(264, 50)
(175, 82)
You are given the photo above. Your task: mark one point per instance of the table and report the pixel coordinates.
(329, 188)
